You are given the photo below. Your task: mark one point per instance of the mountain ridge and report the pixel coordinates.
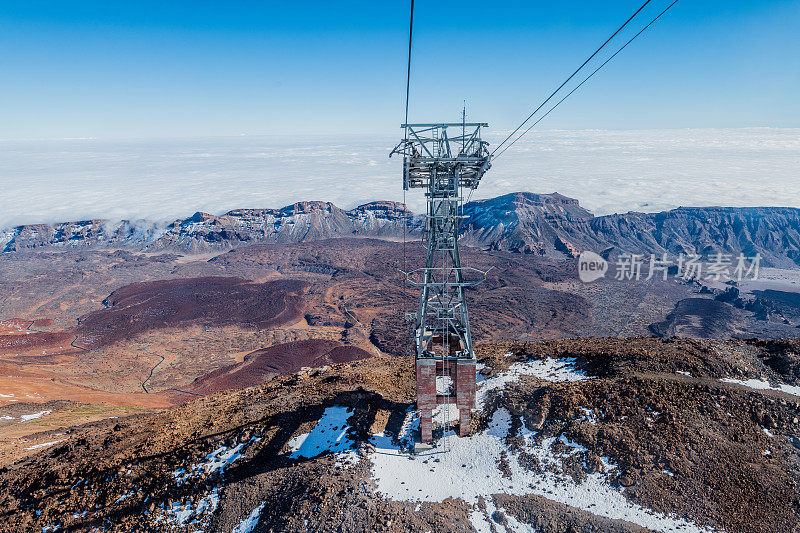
(545, 224)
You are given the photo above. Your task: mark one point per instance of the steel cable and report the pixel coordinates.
(571, 76)
(587, 78)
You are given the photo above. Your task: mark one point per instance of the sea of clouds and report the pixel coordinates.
(608, 171)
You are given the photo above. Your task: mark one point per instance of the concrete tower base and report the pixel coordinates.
(462, 393)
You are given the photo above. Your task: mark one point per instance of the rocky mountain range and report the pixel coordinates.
(544, 224)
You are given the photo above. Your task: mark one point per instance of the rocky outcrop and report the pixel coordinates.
(302, 221)
(93, 233)
(525, 222)
(773, 232)
(544, 224)
(557, 225)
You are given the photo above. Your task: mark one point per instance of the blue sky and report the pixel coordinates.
(173, 69)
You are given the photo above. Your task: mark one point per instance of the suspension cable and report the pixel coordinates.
(570, 77)
(405, 136)
(408, 71)
(587, 78)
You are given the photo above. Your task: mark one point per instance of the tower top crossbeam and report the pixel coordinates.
(434, 150)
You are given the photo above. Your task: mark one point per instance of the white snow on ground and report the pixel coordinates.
(588, 415)
(6, 417)
(347, 459)
(216, 460)
(248, 524)
(183, 513)
(764, 385)
(44, 444)
(481, 520)
(445, 414)
(25, 418)
(328, 435)
(684, 373)
(549, 369)
(469, 469)
(6, 395)
(124, 497)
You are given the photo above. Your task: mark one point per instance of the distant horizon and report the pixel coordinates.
(383, 133)
(608, 171)
(159, 222)
(148, 110)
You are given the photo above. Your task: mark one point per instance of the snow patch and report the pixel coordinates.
(548, 369)
(124, 497)
(329, 435)
(444, 385)
(40, 414)
(183, 513)
(216, 460)
(588, 415)
(470, 470)
(764, 385)
(44, 444)
(445, 413)
(248, 524)
(347, 459)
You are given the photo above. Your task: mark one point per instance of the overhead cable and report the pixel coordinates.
(586, 79)
(571, 76)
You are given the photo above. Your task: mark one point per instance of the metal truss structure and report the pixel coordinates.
(445, 165)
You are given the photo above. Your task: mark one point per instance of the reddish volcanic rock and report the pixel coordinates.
(217, 301)
(266, 363)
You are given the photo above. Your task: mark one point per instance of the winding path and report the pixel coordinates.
(144, 383)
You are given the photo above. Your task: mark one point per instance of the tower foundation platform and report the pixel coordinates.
(459, 392)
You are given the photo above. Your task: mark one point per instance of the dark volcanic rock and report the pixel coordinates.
(698, 318)
(261, 365)
(684, 445)
(303, 221)
(146, 306)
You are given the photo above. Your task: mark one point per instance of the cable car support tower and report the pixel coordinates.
(445, 159)
(444, 166)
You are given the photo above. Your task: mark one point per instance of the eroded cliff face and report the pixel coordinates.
(773, 232)
(545, 224)
(556, 225)
(525, 222)
(299, 222)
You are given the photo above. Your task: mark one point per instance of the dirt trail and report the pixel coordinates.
(150, 375)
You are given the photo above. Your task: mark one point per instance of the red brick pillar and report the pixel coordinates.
(465, 393)
(426, 397)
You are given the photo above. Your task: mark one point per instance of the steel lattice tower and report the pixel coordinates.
(445, 166)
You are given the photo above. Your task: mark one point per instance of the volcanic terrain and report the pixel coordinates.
(570, 435)
(195, 380)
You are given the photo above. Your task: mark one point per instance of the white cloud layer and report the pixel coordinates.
(608, 171)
